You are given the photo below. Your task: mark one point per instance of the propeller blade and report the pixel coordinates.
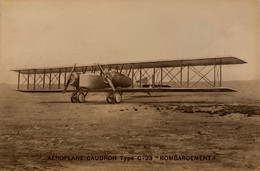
(69, 78)
(107, 78)
(111, 84)
(66, 86)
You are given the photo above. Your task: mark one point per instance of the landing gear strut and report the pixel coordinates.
(114, 97)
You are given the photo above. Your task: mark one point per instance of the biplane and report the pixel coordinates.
(191, 75)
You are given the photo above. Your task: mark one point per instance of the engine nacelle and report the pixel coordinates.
(94, 81)
(74, 81)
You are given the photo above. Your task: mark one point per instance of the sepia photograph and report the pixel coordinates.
(129, 85)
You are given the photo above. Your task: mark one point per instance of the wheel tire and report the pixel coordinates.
(74, 99)
(118, 97)
(81, 97)
(110, 98)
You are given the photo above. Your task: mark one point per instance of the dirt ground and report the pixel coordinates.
(39, 130)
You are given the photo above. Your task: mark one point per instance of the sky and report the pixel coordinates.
(48, 33)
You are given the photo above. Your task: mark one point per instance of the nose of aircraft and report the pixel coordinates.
(74, 79)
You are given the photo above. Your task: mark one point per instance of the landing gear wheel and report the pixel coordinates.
(118, 97)
(81, 97)
(114, 97)
(111, 98)
(74, 99)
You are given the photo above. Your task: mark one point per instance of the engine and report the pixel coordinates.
(74, 81)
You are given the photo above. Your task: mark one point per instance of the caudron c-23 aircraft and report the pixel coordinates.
(191, 75)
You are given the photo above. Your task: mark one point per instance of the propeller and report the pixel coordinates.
(107, 78)
(69, 78)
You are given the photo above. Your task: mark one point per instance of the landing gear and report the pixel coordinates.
(78, 96)
(118, 97)
(81, 97)
(110, 98)
(74, 99)
(114, 97)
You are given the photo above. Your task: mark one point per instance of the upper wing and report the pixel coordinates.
(137, 65)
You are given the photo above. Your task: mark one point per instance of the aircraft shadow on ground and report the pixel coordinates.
(68, 102)
(133, 102)
(147, 96)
